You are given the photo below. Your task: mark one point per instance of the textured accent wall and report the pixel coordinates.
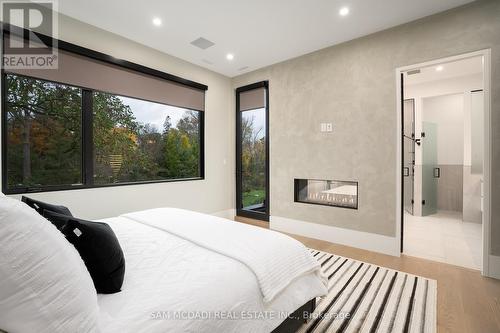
(353, 86)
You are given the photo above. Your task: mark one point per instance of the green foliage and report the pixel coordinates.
(128, 151)
(182, 148)
(43, 133)
(253, 197)
(253, 160)
(120, 143)
(44, 138)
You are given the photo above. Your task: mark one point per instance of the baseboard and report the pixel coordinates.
(227, 214)
(363, 240)
(494, 267)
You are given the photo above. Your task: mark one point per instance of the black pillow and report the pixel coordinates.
(40, 206)
(99, 248)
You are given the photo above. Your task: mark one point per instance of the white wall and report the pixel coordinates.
(213, 194)
(448, 113)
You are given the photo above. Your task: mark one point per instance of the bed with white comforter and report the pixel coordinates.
(191, 272)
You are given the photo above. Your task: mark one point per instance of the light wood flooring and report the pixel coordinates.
(467, 301)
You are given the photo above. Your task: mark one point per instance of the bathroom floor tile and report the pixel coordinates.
(444, 237)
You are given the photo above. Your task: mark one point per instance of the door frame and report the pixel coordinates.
(486, 54)
(239, 211)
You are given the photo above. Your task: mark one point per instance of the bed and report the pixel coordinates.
(190, 272)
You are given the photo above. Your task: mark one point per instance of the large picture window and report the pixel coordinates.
(133, 140)
(96, 121)
(136, 140)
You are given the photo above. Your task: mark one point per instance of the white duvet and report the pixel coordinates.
(174, 285)
(274, 258)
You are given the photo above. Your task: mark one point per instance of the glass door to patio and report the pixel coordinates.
(252, 150)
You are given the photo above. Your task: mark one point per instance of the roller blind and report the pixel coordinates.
(86, 72)
(253, 99)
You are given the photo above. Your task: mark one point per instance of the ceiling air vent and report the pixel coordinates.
(243, 68)
(413, 72)
(202, 43)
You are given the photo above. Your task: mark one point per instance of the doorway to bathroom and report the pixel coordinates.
(444, 175)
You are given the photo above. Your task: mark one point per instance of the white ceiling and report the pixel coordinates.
(258, 32)
(448, 70)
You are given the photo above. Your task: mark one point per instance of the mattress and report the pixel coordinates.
(174, 285)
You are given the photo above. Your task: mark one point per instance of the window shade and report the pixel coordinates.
(94, 74)
(253, 99)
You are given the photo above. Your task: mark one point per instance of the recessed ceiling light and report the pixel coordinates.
(157, 21)
(229, 56)
(344, 11)
(439, 68)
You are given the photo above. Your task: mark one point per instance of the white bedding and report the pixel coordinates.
(173, 285)
(274, 258)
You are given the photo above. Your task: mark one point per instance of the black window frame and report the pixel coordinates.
(87, 171)
(240, 211)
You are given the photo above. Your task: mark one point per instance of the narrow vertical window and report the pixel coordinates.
(252, 160)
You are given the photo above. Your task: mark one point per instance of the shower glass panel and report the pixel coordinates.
(429, 168)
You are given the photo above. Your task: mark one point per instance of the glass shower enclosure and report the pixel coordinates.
(420, 178)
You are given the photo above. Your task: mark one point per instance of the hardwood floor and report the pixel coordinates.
(467, 301)
(254, 222)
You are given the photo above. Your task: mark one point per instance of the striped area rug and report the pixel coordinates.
(367, 298)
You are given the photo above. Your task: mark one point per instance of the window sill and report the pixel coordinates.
(84, 187)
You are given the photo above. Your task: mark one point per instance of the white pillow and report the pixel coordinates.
(44, 284)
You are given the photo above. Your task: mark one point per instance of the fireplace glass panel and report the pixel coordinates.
(327, 192)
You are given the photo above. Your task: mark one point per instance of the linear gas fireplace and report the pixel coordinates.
(327, 192)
